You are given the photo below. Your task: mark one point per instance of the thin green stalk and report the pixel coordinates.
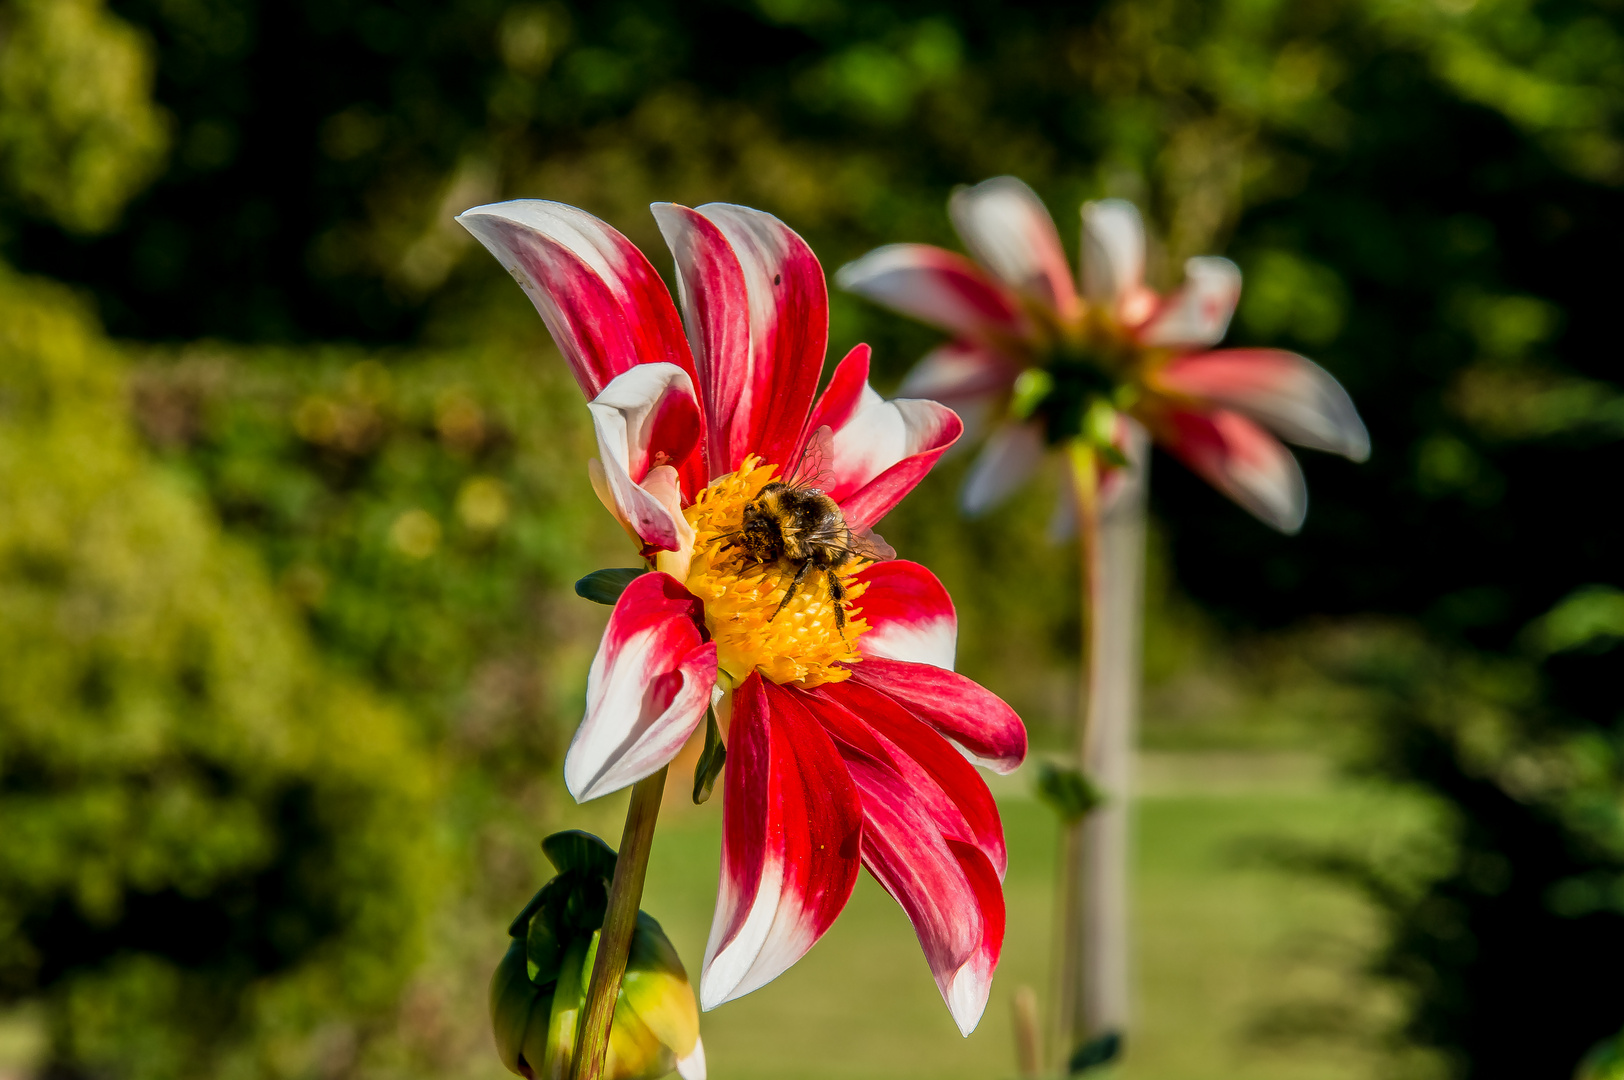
(1093, 1007)
(1070, 976)
(625, 895)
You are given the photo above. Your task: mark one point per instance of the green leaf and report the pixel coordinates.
(543, 952)
(1067, 791)
(1591, 619)
(521, 922)
(709, 766)
(580, 851)
(605, 586)
(1100, 1050)
(513, 1001)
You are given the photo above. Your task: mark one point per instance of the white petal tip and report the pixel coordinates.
(1357, 449)
(1290, 526)
(692, 1067)
(607, 780)
(586, 780)
(580, 788)
(967, 999)
(722, 981)
(711, 993)
(573, 783)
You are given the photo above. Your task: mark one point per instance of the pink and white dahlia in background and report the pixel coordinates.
(1050, 367)
(847, 744)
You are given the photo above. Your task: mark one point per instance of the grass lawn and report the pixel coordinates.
(1243, 970)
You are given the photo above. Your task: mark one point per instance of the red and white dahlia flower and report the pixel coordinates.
(846, 746)
(1054, 366)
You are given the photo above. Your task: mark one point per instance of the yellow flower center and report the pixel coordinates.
(800, 644)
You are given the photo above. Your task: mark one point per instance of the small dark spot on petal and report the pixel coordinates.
(778, 279)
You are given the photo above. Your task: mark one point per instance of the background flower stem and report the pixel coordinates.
(1092, 999)
(625, 894)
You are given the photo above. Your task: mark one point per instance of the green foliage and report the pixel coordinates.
(711, 759)
(427, 513)
(1096, 1053)
(605, 586)
(1591, 619)
(1521, 881)
(79, 131)
(1066, 791)
(212, 845)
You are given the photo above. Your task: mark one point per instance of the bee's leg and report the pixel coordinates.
(837, 595)
(789, 593)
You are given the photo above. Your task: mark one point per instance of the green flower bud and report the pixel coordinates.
(540, 986)
(514, 998)
(656, 987)
(635, 1053)
(556, 1044)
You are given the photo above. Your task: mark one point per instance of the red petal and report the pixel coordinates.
(603, 302)
(939, 287)
(792, 831)
(716, 310)
(758, 313)
(909, 613)
(841, 398)
(942, 779)
(875, 451)
(967, 714)
(647, 691)
(931, 429)
(1298, 399)
(789, 325)
(916, 840)
(1240, 459)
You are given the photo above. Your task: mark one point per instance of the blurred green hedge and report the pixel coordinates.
(213, 843)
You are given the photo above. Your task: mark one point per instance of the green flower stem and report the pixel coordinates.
(625, 895)
(1073, 956)
(1092, 991)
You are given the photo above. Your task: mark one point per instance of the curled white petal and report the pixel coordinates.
(624, 418)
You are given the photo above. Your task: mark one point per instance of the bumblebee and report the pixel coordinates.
(803, 527)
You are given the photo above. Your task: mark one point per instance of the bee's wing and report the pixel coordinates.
(864, 544)
(869, 544)
(812, 471)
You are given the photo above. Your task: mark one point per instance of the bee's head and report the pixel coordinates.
(760, 532)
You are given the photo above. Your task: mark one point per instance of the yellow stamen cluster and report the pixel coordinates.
(800, 644)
